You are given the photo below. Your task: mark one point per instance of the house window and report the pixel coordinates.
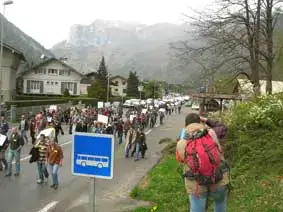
(56, 83)
(115, 89)
(40, 71)
(124, 83)
(34, 85)
(52, 71)
(52, 83)
(70, 86)
(116, 83)
(47, 82)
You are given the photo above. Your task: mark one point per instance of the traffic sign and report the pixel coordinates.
(93, 155)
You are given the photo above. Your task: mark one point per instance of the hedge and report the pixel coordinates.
(61, 100)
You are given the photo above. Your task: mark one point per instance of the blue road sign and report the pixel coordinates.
(93, 155)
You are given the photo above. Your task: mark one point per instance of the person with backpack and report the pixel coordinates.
(205, 171)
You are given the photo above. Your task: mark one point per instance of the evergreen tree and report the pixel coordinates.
(133, 84)
(102, 74)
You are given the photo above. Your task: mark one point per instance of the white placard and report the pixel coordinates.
(100, 104)
(107, 104)
(162, 110)
(132, 117)
(2, 139)
(144, 111)
(49, 119)
(53, 107)
(49, 132)
(102, 119)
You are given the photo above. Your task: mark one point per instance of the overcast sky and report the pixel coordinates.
(48, 21)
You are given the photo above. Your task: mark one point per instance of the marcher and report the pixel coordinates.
(130, 138)
(23, 127)
(16, 143)
(54, 160)
(199, 185)
(139, 145)
(42, 147)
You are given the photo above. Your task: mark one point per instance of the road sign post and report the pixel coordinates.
(93, 156)
(92, 195)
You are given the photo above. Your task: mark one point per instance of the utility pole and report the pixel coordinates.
(108, 87)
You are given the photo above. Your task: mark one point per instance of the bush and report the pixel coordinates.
(27, 103)
(265, 112)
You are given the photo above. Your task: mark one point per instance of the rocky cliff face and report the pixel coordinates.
(16, 38)
(126, 46)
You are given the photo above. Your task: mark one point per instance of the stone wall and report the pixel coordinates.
(14, 114)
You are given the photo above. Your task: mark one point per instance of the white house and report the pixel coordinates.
(118, 86)
(52, 77)
(8, 71)
(246, 87)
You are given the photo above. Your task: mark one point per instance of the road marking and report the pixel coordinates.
(22, 159)
(149, 131)
(68, 142)
(49, 206)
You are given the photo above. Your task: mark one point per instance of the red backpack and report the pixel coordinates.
(203, 158)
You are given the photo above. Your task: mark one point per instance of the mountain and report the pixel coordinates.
(16, 38)
(125, 46)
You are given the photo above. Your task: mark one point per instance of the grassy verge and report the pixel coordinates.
(163, 186)
(257, 177)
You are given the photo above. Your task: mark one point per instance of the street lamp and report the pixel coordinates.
(5, 3)
(108, 86)
(140, 88)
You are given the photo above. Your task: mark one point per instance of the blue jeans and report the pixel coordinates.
(120, 136)
(11, 155)
(41, 168)
(54, 170)
(137, 154)
(198, 203)
(24, 135)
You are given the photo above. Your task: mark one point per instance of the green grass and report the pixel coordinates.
(165, 187)
(257, 177)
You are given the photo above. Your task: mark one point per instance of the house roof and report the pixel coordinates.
(90, 74)
(53, 59)
(117, 76)
(14, 51)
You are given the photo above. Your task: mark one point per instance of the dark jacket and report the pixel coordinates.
(26, 126)
(219, 128)
(16, 141)
(34, 155)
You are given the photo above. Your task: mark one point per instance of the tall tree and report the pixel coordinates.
(132, 85)
(238, 37)
(152, 89)
(102, 74)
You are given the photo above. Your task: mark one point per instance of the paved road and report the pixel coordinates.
(22, 194)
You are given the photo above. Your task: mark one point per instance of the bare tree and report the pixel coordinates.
(239, 34)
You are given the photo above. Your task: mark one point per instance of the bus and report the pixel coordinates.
(92, 160)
